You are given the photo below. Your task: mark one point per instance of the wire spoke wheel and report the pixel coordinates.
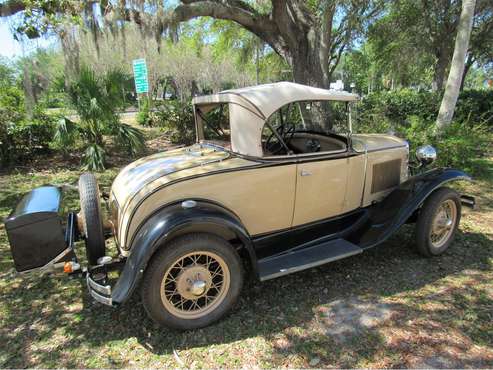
(195, 284)
(443, 223)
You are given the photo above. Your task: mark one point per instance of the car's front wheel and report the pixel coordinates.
(192, 282)
(437, 222)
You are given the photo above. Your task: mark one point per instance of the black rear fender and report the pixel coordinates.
(168, 223)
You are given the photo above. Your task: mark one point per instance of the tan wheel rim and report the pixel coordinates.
(443, 223)
(195, 285)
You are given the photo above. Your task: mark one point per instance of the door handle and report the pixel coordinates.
(305, 173)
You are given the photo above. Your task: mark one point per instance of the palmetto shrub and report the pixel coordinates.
(177, 118)
(97, 100)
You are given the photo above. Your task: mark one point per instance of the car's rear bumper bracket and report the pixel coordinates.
(97, 281)
(468, 201)
(100, 292)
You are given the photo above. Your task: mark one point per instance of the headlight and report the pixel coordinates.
(426, 155)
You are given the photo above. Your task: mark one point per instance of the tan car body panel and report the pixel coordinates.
(266, 197)
(320, 194)
(262, 198)
(129, 199)
(380, 149)
(381, 157)
(139, 174)
(377, 142)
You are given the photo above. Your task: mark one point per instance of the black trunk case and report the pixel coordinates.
(35, 230)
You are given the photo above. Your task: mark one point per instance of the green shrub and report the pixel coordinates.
(12, 98)
(475, 106)
(460, 146)
(21, 137)
(411, 115)
(392, 109)
(144, 116)
(35, 135)
(54, 100)
(177, 118)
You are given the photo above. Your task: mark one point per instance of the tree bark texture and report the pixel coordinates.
(454, 80)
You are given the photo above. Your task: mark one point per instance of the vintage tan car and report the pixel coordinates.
(276, 183)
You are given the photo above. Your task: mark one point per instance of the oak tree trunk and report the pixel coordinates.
(440, 69)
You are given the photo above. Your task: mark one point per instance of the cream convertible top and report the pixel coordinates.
(250, 107)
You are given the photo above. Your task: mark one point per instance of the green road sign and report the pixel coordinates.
(140, 76)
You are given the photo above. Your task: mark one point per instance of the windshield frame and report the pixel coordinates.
(346, 136)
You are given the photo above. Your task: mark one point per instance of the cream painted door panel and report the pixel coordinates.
(320, 190)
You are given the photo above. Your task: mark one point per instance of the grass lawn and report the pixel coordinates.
(387, 307)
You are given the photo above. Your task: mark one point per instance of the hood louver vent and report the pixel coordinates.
(386, 175)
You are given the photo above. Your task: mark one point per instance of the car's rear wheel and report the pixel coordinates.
(192, 282)
(437, 222)
(91, 222)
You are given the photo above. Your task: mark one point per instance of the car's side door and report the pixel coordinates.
(320, 189)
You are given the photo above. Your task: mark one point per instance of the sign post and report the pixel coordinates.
(140, 77)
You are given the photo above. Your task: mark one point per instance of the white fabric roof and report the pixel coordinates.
(268, 98)
(249, 108)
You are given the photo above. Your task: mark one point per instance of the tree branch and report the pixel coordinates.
(233, 3)
(334, 60)
(234, 10)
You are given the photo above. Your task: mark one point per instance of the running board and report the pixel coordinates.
(302, 259)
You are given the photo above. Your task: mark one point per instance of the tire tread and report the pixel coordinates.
(91, 217)
(425, 220)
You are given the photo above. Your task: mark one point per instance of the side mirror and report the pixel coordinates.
(426, 155)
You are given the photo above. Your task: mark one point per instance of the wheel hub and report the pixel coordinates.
(443, 223)
(193, 282)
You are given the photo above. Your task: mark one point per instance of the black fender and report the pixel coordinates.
(387, 216)
(165, 223)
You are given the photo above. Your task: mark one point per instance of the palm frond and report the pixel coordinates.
(94, 158)
(66, 132)
(129, 137)
(97, 100)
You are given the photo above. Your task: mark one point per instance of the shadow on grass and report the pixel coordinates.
(44, 323)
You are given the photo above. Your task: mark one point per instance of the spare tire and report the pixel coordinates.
(91, 221)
